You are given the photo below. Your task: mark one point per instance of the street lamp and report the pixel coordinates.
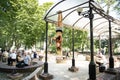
(89, 14)
(92, 65)
(79, 10)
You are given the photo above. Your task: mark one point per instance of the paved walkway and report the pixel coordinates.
(60, 70)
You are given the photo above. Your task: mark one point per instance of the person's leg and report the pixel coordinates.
(0, 57)
(9, 61)
(98, 63)
(14, 62)
(26, 65)
(20, 64)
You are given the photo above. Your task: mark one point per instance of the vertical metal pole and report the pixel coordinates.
(73, 68)
(111, 60)
(92, 66)
(73, 58)
(46, 63)
(46, 75)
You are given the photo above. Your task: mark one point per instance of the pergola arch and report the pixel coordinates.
(106, 31)
(101, 23)
(106, 27)
(71, 18)
(67, 12)
(89, 22)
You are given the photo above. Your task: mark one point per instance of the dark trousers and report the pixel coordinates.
(10, 61)
(21, 64)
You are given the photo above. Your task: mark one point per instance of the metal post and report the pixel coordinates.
(111, 60)
(92, 66)
(73, 68)
(73, 58)
(111, 69)
(46, 63)
(46, 75)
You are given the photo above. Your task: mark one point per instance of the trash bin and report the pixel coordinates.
(102, 68)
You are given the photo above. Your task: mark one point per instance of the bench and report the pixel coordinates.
(34, 75)
(9, 69)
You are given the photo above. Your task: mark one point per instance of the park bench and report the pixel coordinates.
(34, 75)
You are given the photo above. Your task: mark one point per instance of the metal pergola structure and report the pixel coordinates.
(91, 17)
(72, 19)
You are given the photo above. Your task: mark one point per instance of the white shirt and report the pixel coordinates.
(27, 59)
(13, 55)
(5, 54)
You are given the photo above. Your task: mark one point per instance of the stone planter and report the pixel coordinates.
(40, 57)
(60, 59)
(87, 57)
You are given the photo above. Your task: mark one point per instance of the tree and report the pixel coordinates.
(22, 22)
(108, 4)
(67, 39)
(6, 22)
(117, 7)
(80, 39)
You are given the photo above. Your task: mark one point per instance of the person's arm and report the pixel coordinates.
(29, 60)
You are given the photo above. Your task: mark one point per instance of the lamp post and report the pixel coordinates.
(73, 68)
(46, 75)
(92, 66)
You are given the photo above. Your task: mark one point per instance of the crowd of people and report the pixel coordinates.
(20, 57)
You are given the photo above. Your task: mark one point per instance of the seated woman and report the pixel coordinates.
(101, 59)
(5, 56)
(19, 57)
(25, 62)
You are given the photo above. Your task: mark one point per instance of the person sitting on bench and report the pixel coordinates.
(25, 62)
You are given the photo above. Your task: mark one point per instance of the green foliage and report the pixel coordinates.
(80, 39)
(110, 4)
(21, 21)
(52, 48)
(96, 43)
(117, 7)
(67, 38)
